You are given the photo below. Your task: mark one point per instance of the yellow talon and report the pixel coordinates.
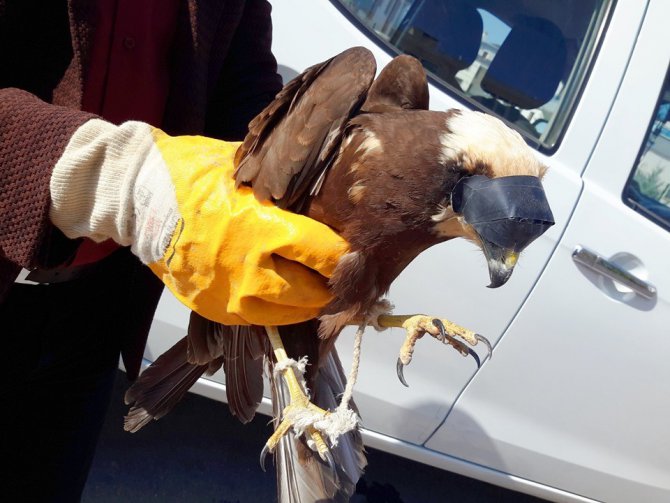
(299, 403)
(416, 325)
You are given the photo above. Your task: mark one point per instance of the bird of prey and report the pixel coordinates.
(366, 157)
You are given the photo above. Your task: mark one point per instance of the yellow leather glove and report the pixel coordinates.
(222, 253)
(233, 259)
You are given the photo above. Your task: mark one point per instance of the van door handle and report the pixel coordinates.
(612, 271)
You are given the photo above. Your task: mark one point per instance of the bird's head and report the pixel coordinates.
(498, 200)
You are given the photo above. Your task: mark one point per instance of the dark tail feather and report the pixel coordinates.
(161, 386)
(207, 347)
(301, 476)
(243, 352)
(243, 349)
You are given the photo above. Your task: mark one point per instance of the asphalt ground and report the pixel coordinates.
(200, 453)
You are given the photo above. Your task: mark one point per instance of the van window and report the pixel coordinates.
(522, 61)
(648, 188)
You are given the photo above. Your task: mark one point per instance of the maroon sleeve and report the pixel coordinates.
(33, 136)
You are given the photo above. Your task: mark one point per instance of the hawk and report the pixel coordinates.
(366, 157)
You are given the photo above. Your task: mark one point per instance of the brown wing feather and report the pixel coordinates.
(401, 85)
(262, 124)
(291, 145)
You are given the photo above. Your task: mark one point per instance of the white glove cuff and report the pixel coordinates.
(112, 182)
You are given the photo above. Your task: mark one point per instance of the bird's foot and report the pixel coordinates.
(443, 330)
(301, 416)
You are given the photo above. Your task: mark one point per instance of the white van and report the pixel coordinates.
(575, 403)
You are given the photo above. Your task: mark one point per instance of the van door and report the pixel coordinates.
(576, 395)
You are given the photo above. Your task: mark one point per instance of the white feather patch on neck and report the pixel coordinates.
(475, 138)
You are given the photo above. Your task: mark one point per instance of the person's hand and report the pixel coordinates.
(221, 252)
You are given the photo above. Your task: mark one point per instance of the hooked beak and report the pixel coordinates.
(501, 262)
(506, 214)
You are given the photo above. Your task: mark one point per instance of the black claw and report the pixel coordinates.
(449, 339)
(486, 343)
(460, 345)
(264, 453)
(472, 353)
(399, 369)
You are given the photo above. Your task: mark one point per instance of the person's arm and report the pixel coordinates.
(248, 80)
(33, 136)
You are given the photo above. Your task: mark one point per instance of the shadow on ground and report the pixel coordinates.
(200, 453)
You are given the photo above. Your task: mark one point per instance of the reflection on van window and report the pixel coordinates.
(648, 189)
(522, 61)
